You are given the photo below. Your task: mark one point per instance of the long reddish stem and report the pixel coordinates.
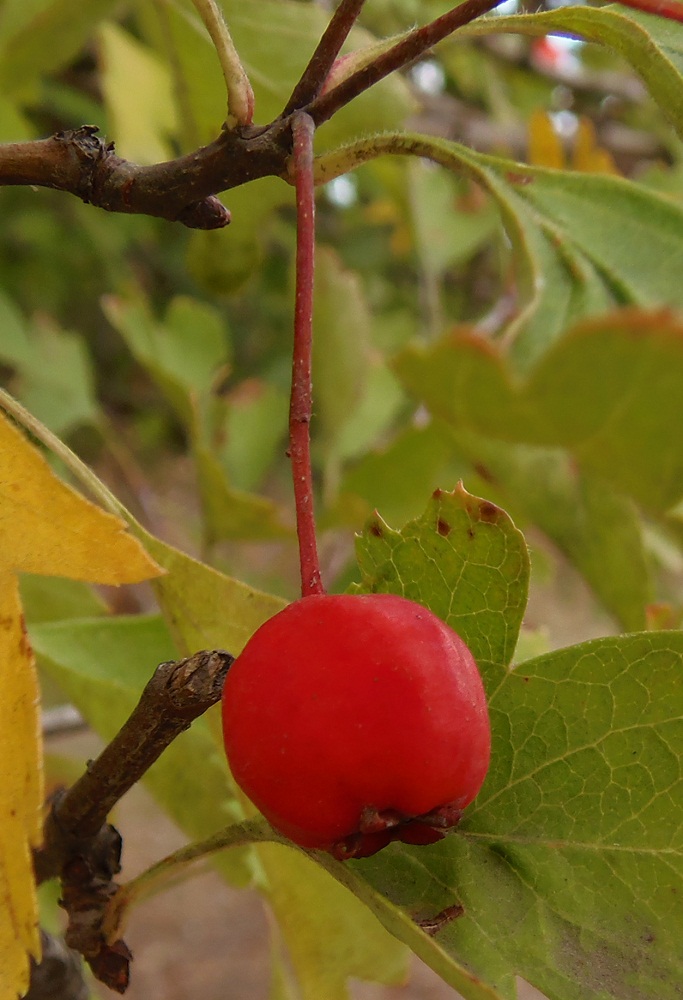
(301, 399)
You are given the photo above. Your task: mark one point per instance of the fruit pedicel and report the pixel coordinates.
(349, 720)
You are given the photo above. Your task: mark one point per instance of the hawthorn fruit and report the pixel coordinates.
(354, 720)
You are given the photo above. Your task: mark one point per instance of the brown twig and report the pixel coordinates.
(404, 52)
(80, 847)
(327, 50)
(184, 190)
(180, 190)
(178, 692)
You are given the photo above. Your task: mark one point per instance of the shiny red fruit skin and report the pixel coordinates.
(353, 720)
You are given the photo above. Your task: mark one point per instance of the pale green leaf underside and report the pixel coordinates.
(570, 862)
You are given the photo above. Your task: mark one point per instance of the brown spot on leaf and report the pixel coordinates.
(437, 494)
(488, 511)
(375, 529)
(432, 925)
(443, 527)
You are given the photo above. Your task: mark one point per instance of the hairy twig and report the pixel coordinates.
(300, 408)
(410, 47)
(327, 50)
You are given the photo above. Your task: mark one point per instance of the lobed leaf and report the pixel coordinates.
(185, 355)
(598, 529)
(609, 391)
(570, 862)
(465, 560)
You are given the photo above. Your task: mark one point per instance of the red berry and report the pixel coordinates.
(354, 720)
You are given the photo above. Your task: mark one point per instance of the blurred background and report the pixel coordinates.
(162, 356)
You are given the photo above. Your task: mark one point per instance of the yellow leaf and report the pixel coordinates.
(587, 155)
(545, 146)
(45, 528)
(20, 794)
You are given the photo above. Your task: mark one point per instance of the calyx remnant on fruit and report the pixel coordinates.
(354, 720)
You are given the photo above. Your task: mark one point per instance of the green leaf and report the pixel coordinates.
(102, 665)
(395, 479)
(597, 529)
(205, 609)
(231, 514)
(275, 41)
(443, 235)
(138, 96)
(183, 354)
(465, 560)
(610, 391)
(38, 36)
(652, 45)
(50, 599)
(255, 431)
(54, 376)
(570, 862)
(341, 345)
(330, 935)
(575, 237)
